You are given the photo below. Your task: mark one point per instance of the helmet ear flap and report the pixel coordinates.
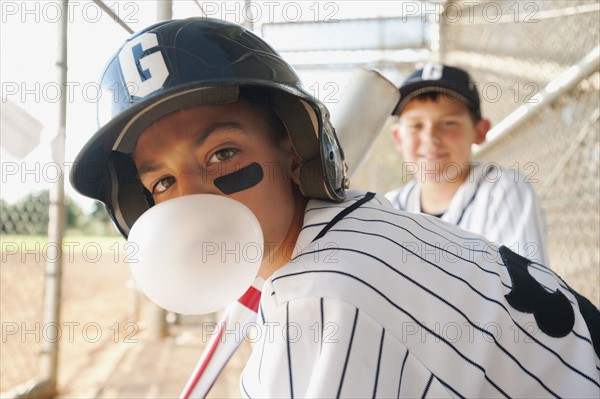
(322, 173)
(324, 178)
(333, 164)
(149, 198)
(312, 179)
(129, 196)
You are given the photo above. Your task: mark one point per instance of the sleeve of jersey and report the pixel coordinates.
(518, 219)
(325, 348)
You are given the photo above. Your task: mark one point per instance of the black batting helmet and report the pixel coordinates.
(184, 63)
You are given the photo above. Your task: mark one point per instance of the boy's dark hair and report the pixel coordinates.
(261, 99)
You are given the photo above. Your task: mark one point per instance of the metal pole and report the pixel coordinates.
(557, 87)
(164, 10)
(53, 274)
(114, 16)
(248, 22)
(434, 27)
(443, 33)
(158, 319)
(200, 7)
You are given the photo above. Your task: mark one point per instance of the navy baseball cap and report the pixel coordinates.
(443, 79)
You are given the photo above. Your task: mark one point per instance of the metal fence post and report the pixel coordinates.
(53, 271)
(158, 319)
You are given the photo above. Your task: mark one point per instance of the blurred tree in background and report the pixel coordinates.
(29, 216)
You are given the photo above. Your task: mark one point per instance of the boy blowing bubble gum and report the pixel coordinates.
(360, 300)
(438, 121)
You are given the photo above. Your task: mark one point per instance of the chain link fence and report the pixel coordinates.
(100, 311)
(513, 49)
(517, 48)
(558, 148)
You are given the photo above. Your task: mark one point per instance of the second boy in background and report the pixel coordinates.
(438, 120)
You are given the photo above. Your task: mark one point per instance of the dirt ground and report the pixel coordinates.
(107, 347)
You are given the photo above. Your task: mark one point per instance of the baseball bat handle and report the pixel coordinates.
(221, 347)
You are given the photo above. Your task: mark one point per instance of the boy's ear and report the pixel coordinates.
(397, 136)
(481, 130)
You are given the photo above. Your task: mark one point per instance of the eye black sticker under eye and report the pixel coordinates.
(241, 180)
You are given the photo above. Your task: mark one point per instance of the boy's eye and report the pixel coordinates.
(222, 155)
(450, 123)
(414, 126)
(163, 185)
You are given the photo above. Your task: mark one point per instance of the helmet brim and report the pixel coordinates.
(104, 162)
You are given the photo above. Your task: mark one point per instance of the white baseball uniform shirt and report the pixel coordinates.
(382, 303)
(495, 202)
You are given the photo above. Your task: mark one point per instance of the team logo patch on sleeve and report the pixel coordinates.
(552, 311)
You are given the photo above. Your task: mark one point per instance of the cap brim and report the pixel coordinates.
(410, 91)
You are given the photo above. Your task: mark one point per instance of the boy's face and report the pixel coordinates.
(436, 135)
(220, 149)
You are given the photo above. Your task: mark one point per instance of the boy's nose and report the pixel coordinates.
(196, 183)
(430, 134)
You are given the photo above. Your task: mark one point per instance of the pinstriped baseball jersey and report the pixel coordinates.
(382, 303)
(496, 202)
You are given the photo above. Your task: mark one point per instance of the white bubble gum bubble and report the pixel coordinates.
(196, 254)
